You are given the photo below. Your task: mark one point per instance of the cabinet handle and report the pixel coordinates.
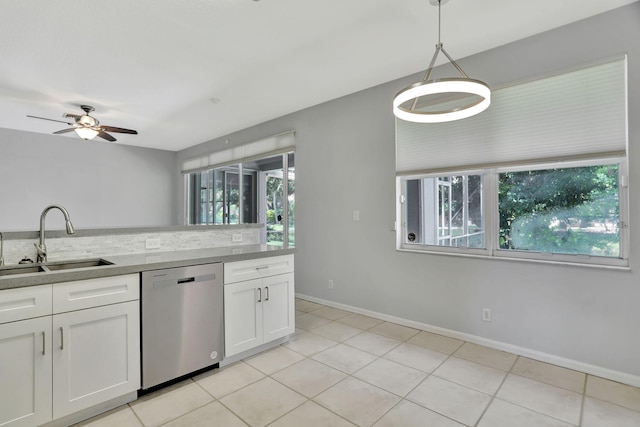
(43, 342)
(262, 267)
(267, 289)
(259, 294)
(61, 338)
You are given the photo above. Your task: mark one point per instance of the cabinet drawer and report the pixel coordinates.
(82, 294)
(257, 268)
(25, 303)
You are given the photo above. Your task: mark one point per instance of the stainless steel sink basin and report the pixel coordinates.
(20, 269)
(71, 265)
(53, 266)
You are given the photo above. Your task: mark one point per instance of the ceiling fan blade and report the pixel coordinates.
(64, 131)
(51, 120)
(102, 134)
(118, 130)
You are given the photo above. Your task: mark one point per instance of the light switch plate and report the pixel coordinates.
(152, 243)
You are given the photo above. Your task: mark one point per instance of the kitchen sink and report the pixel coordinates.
(71, 265)
(20, 269)
(53, 266)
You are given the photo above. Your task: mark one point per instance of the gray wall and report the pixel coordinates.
(101, 184)
(345, 161)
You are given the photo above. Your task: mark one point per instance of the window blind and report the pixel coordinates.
(276, 144)
(577, 114)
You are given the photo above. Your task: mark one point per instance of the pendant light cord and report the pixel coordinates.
(440, 48)
(439, 21)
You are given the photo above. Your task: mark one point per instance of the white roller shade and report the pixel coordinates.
(273, 145)
(572, 115)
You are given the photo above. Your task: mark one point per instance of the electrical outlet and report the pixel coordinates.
(236, 237)
(330, 284)
(486, 314)
(152, 243)
(356, 215)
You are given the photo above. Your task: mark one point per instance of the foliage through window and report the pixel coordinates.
(567, 211)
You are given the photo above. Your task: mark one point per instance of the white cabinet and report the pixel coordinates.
(25, 371)
(96, 342)
(93, 358)
(80, 349)
(258, 302)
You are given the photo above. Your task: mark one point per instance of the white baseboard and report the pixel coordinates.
(576, 365)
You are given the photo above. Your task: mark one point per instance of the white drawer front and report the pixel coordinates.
(256, 268)
(82, 294)
(25, 303)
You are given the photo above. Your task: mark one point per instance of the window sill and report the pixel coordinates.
(621, 264)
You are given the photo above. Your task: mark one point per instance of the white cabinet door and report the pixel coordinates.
(242, 316)
(25, 372)
(278, 311)
(96, 356)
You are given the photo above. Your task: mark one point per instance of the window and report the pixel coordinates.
(568, 212)
(214, 196)
(445, 211)
(251, 183)
(573, 210)
(260, 190)
(540, 175)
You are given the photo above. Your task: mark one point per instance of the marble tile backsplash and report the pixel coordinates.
(73, 247)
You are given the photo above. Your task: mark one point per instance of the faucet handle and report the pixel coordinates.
(42, 252)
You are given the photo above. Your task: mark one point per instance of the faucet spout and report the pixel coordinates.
(42, 248)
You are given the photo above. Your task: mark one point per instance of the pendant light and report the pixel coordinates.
(406, 101)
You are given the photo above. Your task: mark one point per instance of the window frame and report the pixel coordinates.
(492, 217)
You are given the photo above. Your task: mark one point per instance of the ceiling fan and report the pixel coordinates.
(86, 126)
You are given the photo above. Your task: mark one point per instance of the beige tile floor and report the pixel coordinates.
(343, 369)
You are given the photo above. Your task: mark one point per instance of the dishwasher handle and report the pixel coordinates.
(160, 281)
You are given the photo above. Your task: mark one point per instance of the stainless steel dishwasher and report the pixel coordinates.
(182, 321)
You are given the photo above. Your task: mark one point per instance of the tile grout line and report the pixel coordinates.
(584, 398)
(534, 410)
(194, 409)
(495, 393)
(308, 399)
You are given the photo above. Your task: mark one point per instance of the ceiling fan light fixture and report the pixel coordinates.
(86, 133)
(454, 85)
(86, 126)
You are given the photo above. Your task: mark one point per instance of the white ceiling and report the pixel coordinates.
(155, 65)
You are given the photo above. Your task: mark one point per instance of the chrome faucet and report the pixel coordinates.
(42, 248)
(1, 245)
